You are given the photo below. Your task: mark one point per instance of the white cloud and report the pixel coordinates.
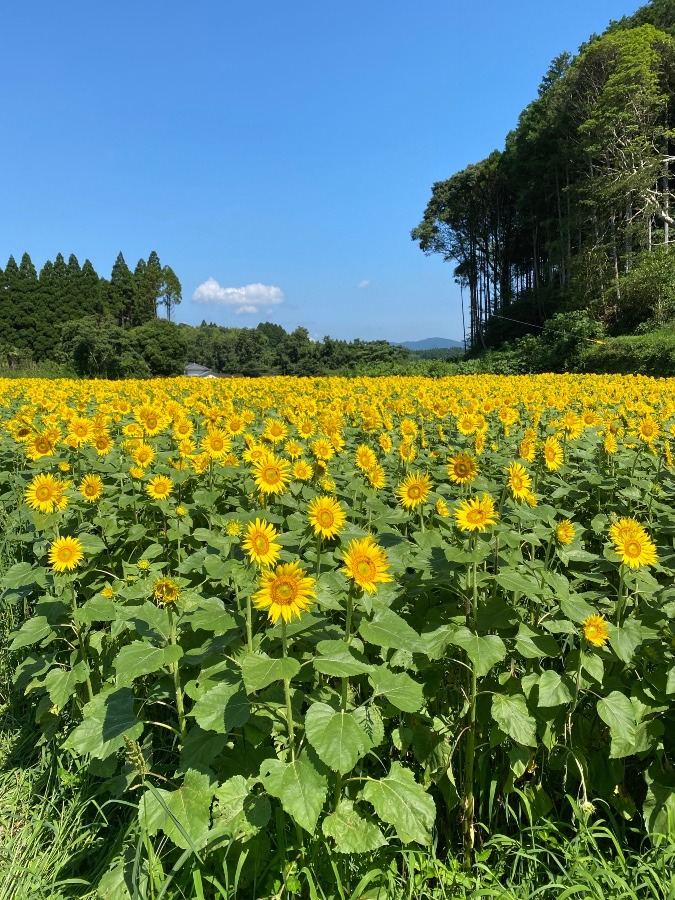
(247, 299)
(364, 283)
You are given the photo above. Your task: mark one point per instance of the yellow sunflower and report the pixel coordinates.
(65, 554)
(636, 550)
(258, 543)
(476, 514)
(442, 508)
(376, 477)
(164, 590)
(553, 453)
(366, 563)
(143, 455)
(413, 490)
(519, 482)
(302, 471)
(365, 458)
(44, 493)
(326, 516)
(91, 488)
(271, 474)
(595, 630)
(159, 487)
(462, 468)
(284, 592)
(564, 532)
(216, 443)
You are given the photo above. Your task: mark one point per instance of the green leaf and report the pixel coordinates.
(336, 736)
(399, 688)
(212, 616)
(511, 714)
(299, 785)
(61, 683)
(629, 733)
(33, 631)
(351, 832)
(183, 815)
(259, 670)
(107, 720)
(388, 629)
(519, 584)
(370, 720)
(533, 644)
(484, 652)
(222, 708)
(399, 800)
(336, 659)
(576, 609)
(554, 690)
(91, 543)
(98, 609)
(625, 640)
(142, 658)
(239, 812)
(22, 574)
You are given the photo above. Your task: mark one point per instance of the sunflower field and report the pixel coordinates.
(327, 619)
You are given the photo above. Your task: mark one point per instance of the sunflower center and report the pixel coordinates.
(284, 592)
(632, 548)
(65, 554)
(270, 475)
(325, 518)
(43, 492)
(151, 422)
(475, 516)
(260, 543)
(414, 492)
(365, 568)
(516, 482)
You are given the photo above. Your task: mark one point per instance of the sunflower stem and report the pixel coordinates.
(287, 693)
(318, 554)
(621, 596)
(345, 684)
(469, 804)
(249, 623)
(180, 709)
(81, 644)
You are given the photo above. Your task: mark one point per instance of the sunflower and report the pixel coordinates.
(143, 455)
(648, 430)
(365, 458)
(65, 553)
(326, 516)
(366, 563)
(385, 442)
(636, 550)
(233, 528)
(413, 490)
(519, 482)
(564, 532)
(466, 424)
(38, 446)
(407, 451)
(284, 592)
(102, 442)
(442, 508)
(595, 630)
(476, 514)
(81, 432)
(293, 449)
(553, 453)
(322, 449)
(164, 590)
(258, 543)
(44, 493)
(275, 431)
(302, 471)
(91, 488)
(376, 477)
(623, 529)
(271, 474)
(216, 443)
(159, 487)
(462, 468)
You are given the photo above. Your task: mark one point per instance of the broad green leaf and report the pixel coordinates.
(148, 620)
(23, 574)
(533, 644)
(388, 629)
(183, 815)
(511, 714)
(518, 583)
(400, 801)
(108, 719)
(98, 609)
(142, 658)
(593, 665)
(351, 832)
(576, 609)
(658, 809)
(399, 688)
(554, 690)
(629, 733)
(33, 631)
(239, 812)
(336, 659)
(336, 736)
(222, 708)
(370, 720)
(624, 641)
(670, 681)
(484, 652)
(61, 683)
(259, 670)
(91, 544)
(212, 616)
(299, 785)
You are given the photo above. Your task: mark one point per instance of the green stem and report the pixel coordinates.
(621, 596)
(81, 644)
(180, 708)
(469, 803)
(344, 696)
(318, 554)
(287, 693)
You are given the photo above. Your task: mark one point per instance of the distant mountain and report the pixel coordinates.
(432, 344)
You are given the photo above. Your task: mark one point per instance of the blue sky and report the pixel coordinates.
(275, 155)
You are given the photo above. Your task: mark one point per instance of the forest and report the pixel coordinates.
(576, 213)
(68, 320)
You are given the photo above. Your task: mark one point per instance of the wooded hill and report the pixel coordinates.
(577, 212)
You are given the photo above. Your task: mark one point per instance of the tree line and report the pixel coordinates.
(577, 211)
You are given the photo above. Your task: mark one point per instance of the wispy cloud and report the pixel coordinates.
(364, 283)
(246, 299)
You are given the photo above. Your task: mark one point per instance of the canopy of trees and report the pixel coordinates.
(577, 211)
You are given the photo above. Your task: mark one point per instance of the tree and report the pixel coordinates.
(170, 290)
(121, 293)
(162, 346)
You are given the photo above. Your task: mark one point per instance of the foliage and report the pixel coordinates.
(459, 695)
